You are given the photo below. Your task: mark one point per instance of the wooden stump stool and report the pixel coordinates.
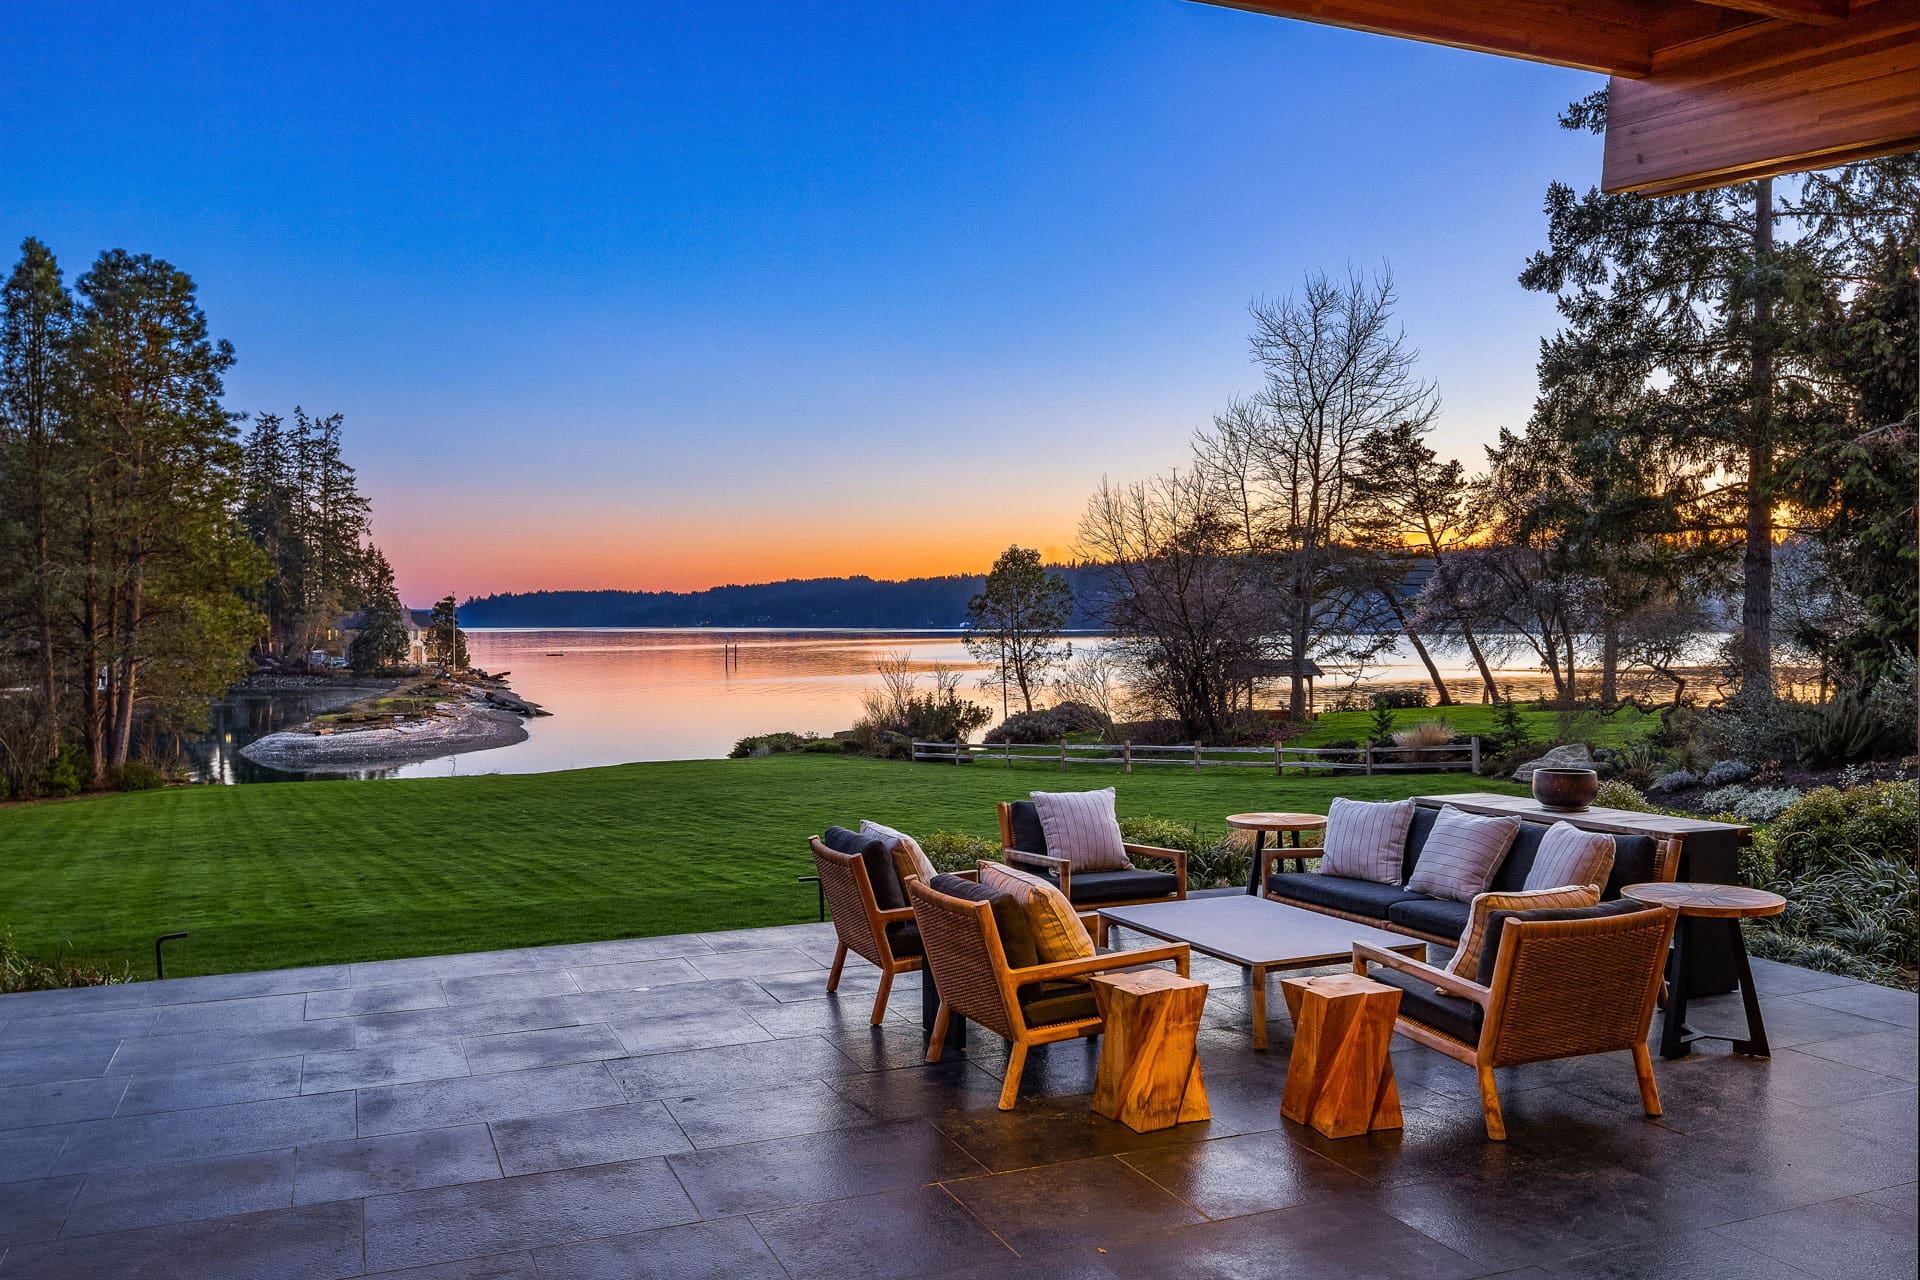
(1340, 1078)
(1149, 1065)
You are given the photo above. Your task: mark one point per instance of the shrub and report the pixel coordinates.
(1857, 917)
(768, 744)
(1674, 781)
(1050, 724)
(1510, 731)
(949, 851)
(19, 972)
(1728, 771)
(68, 771)
(1615, 794)
(1749, 804)
(1428, 733)
(1828, 826)
(135, 775)
(1399, 699)
(1213, 861)
(1382, 727)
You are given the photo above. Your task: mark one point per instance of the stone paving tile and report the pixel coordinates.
(1096, 1202)
(524, 1050)
(1698, 1255)
(1891, 1117)
(388, 1064)
(726, 1250)
(579, 955)
(742, 1066)
(494, 1018)
(724, 1119)
(879, 1237)
(781, 935)
(35, 1210)
(501, 1266)
(565, 1207)
(1329, 1240)
(29, 1154)
(238, 986)
(209, 1086)
(834, 1165)
(676, 1033)
(70, 1028)
(319, 1242)
(761, 963)
(170, 1136)
(58, 1101)
(509, 986)
(1712, 1087)
(388, 997)
(356, 1167)
(196, 1049)
(1883, 1004)
(1773, 978)
(1852, 1239)
(633, 975)
(1245, 1173)
(467, 965)
(21, 1005)
(253, 1013)
(40, 1063)
(1889, 1053)
(572, 1139)
(123, 1199)
(1790, 1020)
(434, 1104)
(857, 984)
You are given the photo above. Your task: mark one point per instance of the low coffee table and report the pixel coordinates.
(1259, 935)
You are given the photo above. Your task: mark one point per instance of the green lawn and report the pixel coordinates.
(1596, 730)
(273, 875)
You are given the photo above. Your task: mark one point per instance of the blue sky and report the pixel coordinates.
(659, 295)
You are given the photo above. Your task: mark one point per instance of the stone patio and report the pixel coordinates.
(697, 1106)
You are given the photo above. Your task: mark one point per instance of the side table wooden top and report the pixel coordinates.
(1277, 821)
(1717, 901)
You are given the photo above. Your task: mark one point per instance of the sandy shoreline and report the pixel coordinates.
(468, 725)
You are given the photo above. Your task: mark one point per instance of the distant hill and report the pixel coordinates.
(861, 602)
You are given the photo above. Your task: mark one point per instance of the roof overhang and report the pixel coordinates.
(1702, 94)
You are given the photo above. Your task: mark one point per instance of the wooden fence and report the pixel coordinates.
(1369, 760)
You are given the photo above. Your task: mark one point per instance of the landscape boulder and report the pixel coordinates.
(1574, 755)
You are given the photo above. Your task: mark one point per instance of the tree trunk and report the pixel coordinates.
(1573, 689)
(1489, 692)
(1756, 605)
(1444, 698)
(1609, 660)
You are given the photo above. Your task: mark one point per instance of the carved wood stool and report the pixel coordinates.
(1340, 1078)
(1149, 1074)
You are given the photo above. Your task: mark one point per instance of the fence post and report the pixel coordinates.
(956, 751)
(1369, 759)
(1006, 750)
(1063, 755)
(1126, 756)
(1476, 755)
(1276, 760)
(1196, 757)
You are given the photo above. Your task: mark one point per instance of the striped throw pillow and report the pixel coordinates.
(1466, 961)
(1569, 855)
(1057, 931)
(1081, 827)
(1365, 841)
(1461, 854)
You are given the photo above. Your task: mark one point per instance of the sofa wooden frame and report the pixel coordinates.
(1560, 989)
(976, 983)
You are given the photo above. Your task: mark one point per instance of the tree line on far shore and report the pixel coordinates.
(148, 553)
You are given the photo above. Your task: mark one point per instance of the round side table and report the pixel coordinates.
(1715, 905)
(1261, 823)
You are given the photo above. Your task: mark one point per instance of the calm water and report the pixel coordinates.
(624, 695)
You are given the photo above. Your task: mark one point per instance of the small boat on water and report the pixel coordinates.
(556, 654)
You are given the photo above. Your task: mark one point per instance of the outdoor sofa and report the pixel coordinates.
(1637, 859)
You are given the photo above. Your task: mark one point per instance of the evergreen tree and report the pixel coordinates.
(446, 643)
(381, 642)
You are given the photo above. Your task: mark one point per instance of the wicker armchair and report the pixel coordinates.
(1039, 1004)
(1024, 844)
(887, 938)
(1563, 984)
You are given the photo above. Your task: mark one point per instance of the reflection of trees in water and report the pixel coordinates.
(239, 719)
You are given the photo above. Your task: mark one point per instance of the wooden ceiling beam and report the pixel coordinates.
(1609, 36)
(1818, 13)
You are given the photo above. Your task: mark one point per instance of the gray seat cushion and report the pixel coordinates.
(887, 893)
(1045, 1003)
(1421, 1002)
(904, 937)
(1356, 897)
(1440, 917)
(1089, 887)
(1009, 920)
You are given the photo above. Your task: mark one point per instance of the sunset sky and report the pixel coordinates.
(666, 295)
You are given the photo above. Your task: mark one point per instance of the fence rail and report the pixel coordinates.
(1369, 760)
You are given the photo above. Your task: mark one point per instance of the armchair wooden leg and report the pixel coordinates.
(1643, 1068)
(941, 1021)
(880, 996)
(1100, 931)
(839, 961)
(1490, 1104)
(1016, 1066)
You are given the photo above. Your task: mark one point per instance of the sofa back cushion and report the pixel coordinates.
(1635, 861)
(1417, 832)
(909, 859)
(878, 857)
(1569, 855)
(1057, 931)
(1082, 827)
(1366, 841)
(1497, 923)
(1009, 917)
(1461, 854)
(1512, 875)
(1023, 825)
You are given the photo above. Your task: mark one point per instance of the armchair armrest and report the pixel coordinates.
(1044, 862)
(1268, 856)
(1452, 984)
(1178, 952)
(893, 916)
(1178, 857)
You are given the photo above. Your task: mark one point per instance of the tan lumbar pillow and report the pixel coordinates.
(1466, 961)
(909, 859)
(1057, 931)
